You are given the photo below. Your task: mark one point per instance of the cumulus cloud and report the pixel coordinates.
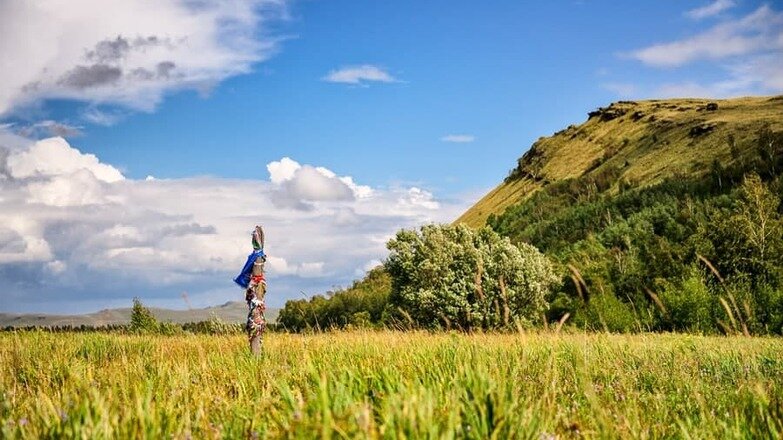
(359, 75)
(712, 9)
(127, 52)
(55, 157)
(458, 138)
(418, 198)
(107, 238)
(298, 186)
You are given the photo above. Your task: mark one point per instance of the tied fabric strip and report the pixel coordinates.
(256, 290)
(243, 279)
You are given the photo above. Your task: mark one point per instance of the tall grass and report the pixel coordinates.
(390, 385)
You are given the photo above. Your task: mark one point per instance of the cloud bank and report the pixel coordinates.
(126, 52)
(75, 234)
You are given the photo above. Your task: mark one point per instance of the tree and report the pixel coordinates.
(748, 238)
(142, 320)
(770, 149)
(758, 219)
(455, 276)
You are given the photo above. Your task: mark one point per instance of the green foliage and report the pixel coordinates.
(689, 304)
(605, 312)
(454, 276)
(629, 243)
(748, 237)
(142, 319)
(364, 304)
(213, 326)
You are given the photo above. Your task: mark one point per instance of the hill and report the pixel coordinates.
(233, 311)
(661, 215)
(642, 142)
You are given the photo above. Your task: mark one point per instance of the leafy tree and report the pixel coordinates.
(748, 237)
(142, 320)
(459, 277)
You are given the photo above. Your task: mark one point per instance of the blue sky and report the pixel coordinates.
(425, 105)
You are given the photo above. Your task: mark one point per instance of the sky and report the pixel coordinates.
(141, 141)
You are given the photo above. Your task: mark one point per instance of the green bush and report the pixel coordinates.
(604, 312)
(455, 276)
(689, 305)
(363, 304)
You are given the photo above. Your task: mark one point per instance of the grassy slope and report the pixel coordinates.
(648, 140)
(391, 385)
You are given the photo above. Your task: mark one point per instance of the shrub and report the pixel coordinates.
(604, 312)
(363, 304)
(690, 306)
(455, 276)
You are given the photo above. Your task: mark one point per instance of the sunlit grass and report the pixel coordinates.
(391, 385)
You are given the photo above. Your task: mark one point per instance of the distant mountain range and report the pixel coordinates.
(231, 312)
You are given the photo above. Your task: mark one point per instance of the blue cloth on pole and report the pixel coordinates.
(243, 279)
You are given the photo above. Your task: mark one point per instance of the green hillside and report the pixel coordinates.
(643, 142)
(662, 215)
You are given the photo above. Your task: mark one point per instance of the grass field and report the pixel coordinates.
(391, 385)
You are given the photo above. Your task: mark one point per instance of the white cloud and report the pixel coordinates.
(359, 75)
(308, 184)
(712, 9)
(748, 51)
(759, 31)
(127, 52)
(308, 270)
(418, 198)
(458, 138)
(282, 170)
(368, 266)
(56, 266)
(55, 157)
(79, 188)
(372, 264)
(756, 76)
(101, 233)
(101, 117)
(300, 185)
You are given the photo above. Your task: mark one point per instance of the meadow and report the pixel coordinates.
(386, 384)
